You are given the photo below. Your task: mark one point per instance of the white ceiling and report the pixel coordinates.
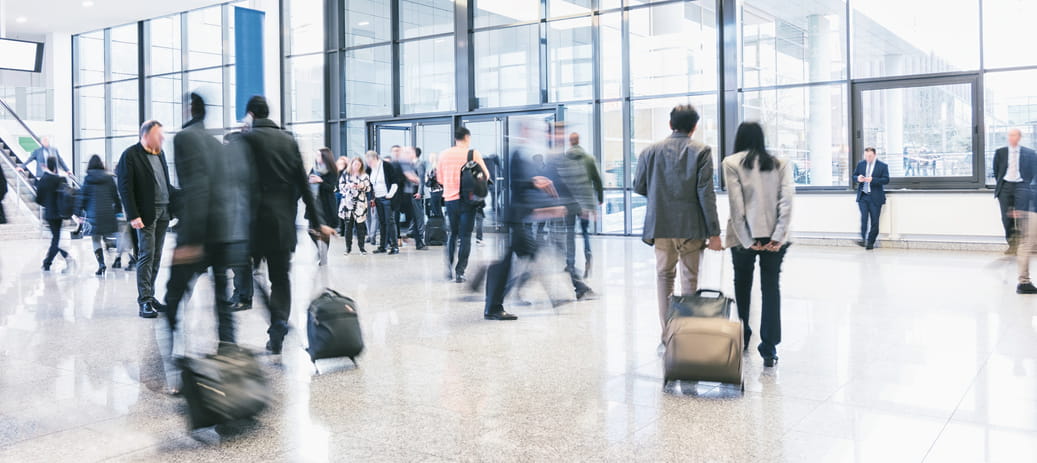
(43, 16)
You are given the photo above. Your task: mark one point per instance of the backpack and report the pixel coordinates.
(67, 197)
(475, 185)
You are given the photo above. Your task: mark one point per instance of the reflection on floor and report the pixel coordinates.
(887, 356)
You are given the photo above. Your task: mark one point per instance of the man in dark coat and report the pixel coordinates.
(215, 217)
(282, 181)
(3, 193)
(50, 193)
(147, 197)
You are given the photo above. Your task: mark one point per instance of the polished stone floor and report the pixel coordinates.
(888, 356)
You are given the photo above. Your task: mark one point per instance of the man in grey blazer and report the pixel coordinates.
(676, 175)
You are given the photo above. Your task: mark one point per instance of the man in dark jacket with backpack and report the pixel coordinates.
(53, 193)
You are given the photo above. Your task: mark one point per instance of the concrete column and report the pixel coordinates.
(58, 65)
(820, 48)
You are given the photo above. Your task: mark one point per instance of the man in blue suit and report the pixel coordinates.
(871, 176)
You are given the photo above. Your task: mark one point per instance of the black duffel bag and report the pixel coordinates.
(333, 329)
(224, 387)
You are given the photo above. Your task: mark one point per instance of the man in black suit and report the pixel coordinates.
(147, 197)
(282, 181)
(1013, 170)
(871, 175)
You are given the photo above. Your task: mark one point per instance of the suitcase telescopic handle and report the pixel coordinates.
(720, 294)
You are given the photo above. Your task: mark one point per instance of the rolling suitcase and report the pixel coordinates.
(435, 231)
(332, 328)
(703, 342)
(224, 387)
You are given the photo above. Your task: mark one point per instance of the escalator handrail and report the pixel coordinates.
(75, 180)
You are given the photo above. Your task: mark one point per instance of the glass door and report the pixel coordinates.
(926, 130)
(389, 135)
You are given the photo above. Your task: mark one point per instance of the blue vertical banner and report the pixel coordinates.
(248, 45)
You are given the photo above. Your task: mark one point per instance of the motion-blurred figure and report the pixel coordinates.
(1013, 171)
(40, 155)
(215, 215)
(49, 194)
(676, 176)
(324, 181)
(580, 172)
(282, 181)
(871, 176)
(99, 199)
(576, 194)
(412, 203)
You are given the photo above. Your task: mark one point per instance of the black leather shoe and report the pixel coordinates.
(45, 267)
(394, 251)
(770, 362)
(421, 247)
(1026, 288)
(460, 278)
(869, 247)
(117, 263)
(502, 315)
(240, 306)
(379, 251)
(159, 307)
(586, 295)
(147, 311)
(861, 244)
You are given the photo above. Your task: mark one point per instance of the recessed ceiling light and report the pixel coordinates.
(88, 4)
(21, 19)
(362, 23)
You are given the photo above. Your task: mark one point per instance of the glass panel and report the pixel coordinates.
(673, 49)
(368, 21)
(1006, 24)
(501, 12)
(1010, 102)
(579, 119)
(609, 4)
(91, 57)
(419, 18)
(125, 117)
(612, 144)
(306, 24)
(310, 138)
(892, 37)
(305, 87)
(204, 38)
(792, 42)
(570, 60)
(88, 148)
(90, 105)
(368, 82)
(355, 133)
(208, 84)
(432, 138)
(427, 75)
(611, 55)
(638, 208)
(807, 125)
(165, 44)
(124, 52)
(559, 8)
(507, 66)
(118, 145)
(167, 100)
(650, 120)
(613, 213)
(392, 135)
(921, 131)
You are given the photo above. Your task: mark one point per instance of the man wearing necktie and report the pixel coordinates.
(39, 156)
(1013, 170)
(871, 175)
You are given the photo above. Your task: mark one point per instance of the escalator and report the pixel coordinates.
(23, 214)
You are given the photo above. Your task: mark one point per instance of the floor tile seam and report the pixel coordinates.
(957, 406)
(58, 431)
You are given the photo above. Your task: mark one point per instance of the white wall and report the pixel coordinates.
(957, 217)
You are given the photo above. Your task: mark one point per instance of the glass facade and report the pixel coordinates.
(186, 52)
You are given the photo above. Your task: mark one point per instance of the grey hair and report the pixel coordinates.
(147, 126)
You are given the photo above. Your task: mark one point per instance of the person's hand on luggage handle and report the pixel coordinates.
(187, 254)
(714, 244)
(137, 223)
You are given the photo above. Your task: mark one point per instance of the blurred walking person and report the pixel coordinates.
(51, 191)
(589, 211)
(1013, 172)
(760, 191)
(325, 176)
(217, 192)
(354, 186)
(676, 177)
(412, 203)
(280, 174)
(99, 199)
(147, 194)
(576, 195)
